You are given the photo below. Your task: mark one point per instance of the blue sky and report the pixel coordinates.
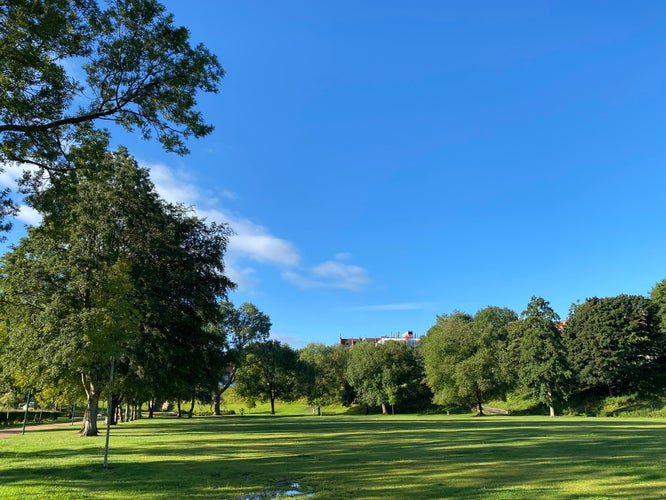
(386, 162)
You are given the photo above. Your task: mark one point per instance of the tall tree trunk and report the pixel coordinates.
(221, 389)
(115, 401)
(217, 398)
(191, 412)
(384, 410)
(89, 424)
(479, 406)
(551, 407)
(272, 405)
(180, 413)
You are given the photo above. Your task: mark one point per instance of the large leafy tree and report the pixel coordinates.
(384, 374)
(271, 371)
(112, 272)
(180, 282)
(67, 289)
(237, 329)
(140, 72)
(658, 298)
(463, 356)
(615, 343)
(64, 63)
(326, 381)
(539, 355)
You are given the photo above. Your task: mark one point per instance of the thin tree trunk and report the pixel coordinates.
(384, 410)
(272, 405)
(115, 401)
(217, 398)
(479, 406)
(191, 412)
(89, 424)
(179, 414)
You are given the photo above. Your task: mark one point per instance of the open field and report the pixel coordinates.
(344, 456)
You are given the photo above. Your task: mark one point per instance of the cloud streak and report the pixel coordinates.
(401, 306)
(256, 243)
(9, 178)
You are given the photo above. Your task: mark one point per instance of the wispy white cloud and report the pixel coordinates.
(250, 241)
(12, 172)
(9, 178)
(329, 274)
(290, 340)
(29, 215)
(244, 277)
(173, 186)
(254, 242)
(400, 306)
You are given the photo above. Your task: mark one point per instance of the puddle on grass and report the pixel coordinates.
(282, 489)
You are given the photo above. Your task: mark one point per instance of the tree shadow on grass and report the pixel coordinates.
(473, 458)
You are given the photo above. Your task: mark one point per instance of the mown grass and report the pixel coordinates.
(344, 456)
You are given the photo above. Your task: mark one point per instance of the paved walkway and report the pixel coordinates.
(13, 431)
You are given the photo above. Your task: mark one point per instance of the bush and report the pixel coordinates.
(15, 417)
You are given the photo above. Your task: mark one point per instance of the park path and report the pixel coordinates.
(13, 431)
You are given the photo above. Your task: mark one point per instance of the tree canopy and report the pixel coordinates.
(384, 374)
(615, 342)
(140, 72)
(538, 353)
(463, 356)
(71, 63)
(271, 371)
(326, 381)
(111, 271)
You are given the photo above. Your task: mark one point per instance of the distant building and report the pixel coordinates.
(408, 338)
(350, 342)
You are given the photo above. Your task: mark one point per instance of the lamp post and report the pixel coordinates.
(25, 415)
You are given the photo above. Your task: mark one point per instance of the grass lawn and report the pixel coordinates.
(344, 456)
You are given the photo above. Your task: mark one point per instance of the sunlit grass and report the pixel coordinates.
(345, 457)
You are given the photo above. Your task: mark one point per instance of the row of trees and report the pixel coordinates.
(383, 375)
(113, 274)
(614, 345)
(114, 282)
(116, 289)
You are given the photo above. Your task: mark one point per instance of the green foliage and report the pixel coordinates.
(381, 374)
(326, 383)
(538, 353)
(240, 328)
(463, 356)
(658, 298)
(271, 371)
(140, 71)
(16, 417)
(616, 343)
(112, 271)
